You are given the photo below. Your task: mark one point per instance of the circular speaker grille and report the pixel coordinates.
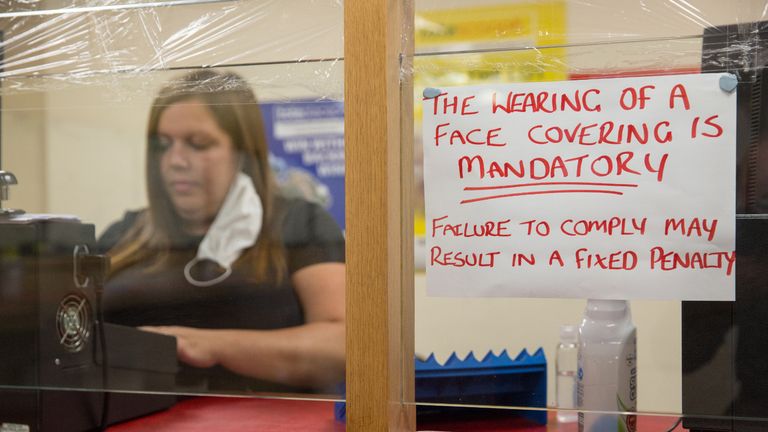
(73, 322)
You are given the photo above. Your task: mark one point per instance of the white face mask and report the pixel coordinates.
(236, 228)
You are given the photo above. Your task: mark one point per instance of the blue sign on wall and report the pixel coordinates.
(306, 143)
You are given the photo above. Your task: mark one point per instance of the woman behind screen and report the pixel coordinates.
(250, 283)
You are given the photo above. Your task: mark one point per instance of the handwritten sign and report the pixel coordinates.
(615, 188)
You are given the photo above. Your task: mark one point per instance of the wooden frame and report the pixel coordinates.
(379, 173)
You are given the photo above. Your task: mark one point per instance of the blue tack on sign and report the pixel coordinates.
(431, 92)
(728, 82)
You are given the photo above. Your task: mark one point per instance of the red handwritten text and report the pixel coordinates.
(604, 133)
(694, 227)
(438, 257)
(671, 260)
(546, 102)
(558, 167)
(621, 260)
(497, 228)
(473, 137)
(612, 226)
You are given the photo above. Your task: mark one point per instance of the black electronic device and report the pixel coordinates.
(724, 354)
(57, 358)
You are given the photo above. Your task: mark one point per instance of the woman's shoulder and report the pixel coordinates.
(115, 231)
(303, 220)
(310, 234)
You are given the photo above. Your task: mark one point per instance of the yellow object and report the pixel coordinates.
(486, 44)
(543, 23)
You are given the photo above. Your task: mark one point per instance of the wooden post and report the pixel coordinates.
(379, 173)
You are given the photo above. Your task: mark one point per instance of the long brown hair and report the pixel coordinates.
(233, 105)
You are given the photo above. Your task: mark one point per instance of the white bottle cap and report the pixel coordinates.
(607, 309)
(568, 333)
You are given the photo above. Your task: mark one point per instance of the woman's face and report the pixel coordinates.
(197, 164)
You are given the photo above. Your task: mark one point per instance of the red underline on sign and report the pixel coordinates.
(557, 191)
(472, 188)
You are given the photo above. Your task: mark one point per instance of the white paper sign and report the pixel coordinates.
(615, 189)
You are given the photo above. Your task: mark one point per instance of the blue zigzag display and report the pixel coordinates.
(491, 363)
(496, 380)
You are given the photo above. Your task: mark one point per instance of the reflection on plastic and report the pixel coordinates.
(100, 42)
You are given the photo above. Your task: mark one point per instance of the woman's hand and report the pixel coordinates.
(196, 347)
(309, 355)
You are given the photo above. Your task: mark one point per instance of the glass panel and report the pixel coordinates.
(694, 359)
(199, 150)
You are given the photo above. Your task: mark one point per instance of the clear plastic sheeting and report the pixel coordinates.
(95, 94)
(465, 42)
(587, 22)
(52, 7)
(700, 360)
(87, 41)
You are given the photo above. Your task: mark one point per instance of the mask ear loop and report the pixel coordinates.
(197, 283)
(241, 163)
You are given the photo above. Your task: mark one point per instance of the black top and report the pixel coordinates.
(143, 295)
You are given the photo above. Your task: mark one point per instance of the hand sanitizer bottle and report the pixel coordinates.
(607, 367)
(565, 366)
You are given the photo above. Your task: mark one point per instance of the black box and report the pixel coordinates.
(54, 369)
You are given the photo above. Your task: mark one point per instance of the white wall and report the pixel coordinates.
(23, 150)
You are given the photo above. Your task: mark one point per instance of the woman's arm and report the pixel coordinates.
(310, 355)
